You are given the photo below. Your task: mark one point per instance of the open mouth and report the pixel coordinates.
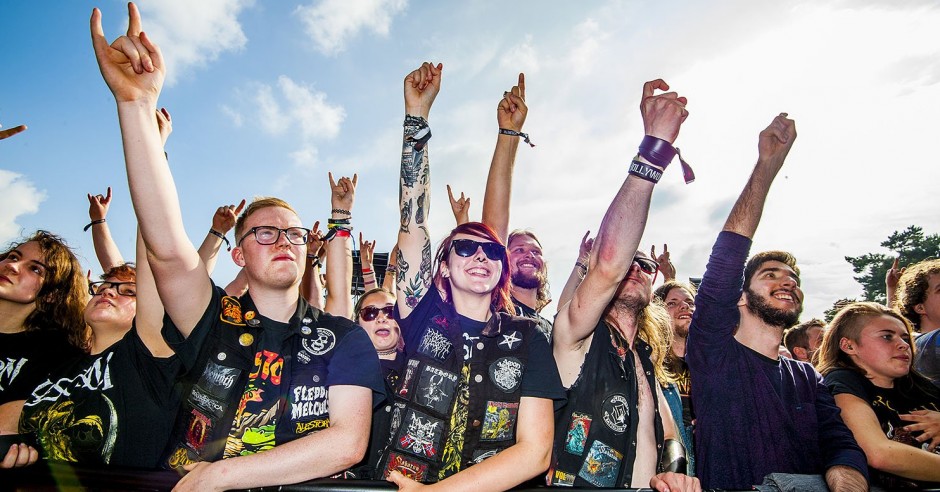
(383, 332)
(784, 295)
(478, 272)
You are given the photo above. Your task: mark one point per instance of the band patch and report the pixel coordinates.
(510, 341)
(499, 423)
(217, 380)
(405, 465)
(231, 311)
(616, 413)
(420, 434)
(407, 382)
(482, 454)
(180, 457)
(506, 373)
(436, 389)
(577, 433)
(198, 430)
(602, 465)
(563, 479)
(323, 343)
(435, 345)
(304, 427)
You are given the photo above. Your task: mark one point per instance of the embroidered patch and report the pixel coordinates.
(577, 433)
(303, 357)
(436, 389)
(510, 341)
(180, 457)
(616, 413)
(602, 465)
(435, 345)
(499, 422)
(481, 454)
(420, 435)
(396, 418)
(231, 311)
(563, 478)
(506, 373)
(217, 380)
(408, 467)
(207, 403)
(408, 381)
(198, 430)
(323, 343)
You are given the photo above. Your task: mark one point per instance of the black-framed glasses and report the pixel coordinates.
(127, 289)
(270, 234)
(647, 265)
(468, 247)
(369, 313)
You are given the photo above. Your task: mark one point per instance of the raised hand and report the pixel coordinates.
(460, 207)
(315, 241)
(512, 109)
(664, 113)
(132, 65)
(421, 87)
(225, 216)
(165, 123)
(775, 140)
(587, 244)
(98, 205)
(892, 276)
(665, 265)
(9, 132)
(366, 252)
(343, 192)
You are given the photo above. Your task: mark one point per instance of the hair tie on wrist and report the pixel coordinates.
(222, 237)
(99, 221)
(513, 133)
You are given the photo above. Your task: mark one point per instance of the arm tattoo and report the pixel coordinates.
(405, 216)
(422, 201)
(402, 268)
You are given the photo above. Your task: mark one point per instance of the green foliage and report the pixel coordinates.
(910, 245)
(836, 306)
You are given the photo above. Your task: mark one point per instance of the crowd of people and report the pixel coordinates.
(447, 372)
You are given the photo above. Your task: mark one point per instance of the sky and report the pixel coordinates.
(267, 97)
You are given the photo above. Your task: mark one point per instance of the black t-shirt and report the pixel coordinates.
(544, 325)
(888, 404)
(116, 407)
(680, 369)
(27, 358)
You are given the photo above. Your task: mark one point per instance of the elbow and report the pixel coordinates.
(879, 459)
(353, 452)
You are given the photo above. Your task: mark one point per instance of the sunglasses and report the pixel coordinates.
(646, 265)
(468, 247)
(369, 313)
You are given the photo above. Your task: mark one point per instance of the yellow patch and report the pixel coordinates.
(231, 311)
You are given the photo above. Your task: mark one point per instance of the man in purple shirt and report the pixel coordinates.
(758, 413)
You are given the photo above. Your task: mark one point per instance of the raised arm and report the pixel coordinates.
(366, 264)
(311, 287)
(414, 239)
(665, 263)
(149, 317)
(134, 70)
(579, 271)
(9, 132)
(106, 249)
(223, 220)
(773, 146)
(510, 115)
(391, 271)
(339, 268)
(622, 226)
(460, 207)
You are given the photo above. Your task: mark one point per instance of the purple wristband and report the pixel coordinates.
(657, 151)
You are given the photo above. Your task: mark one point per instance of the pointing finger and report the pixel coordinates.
(98, 41)
(332, 183)
(355, 179)
(133, 25)
(450, 195)
(521, 85)
(241, 205)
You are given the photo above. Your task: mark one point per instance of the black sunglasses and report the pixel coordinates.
(369, 313)
(468, 247)
(646, 265)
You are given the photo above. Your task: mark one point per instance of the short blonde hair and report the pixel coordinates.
(256, 204)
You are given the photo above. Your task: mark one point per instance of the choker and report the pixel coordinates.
(386, 352)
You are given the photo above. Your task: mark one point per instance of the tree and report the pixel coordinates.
(836, 307)
(910, 245)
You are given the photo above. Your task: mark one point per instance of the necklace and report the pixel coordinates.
(386, 352)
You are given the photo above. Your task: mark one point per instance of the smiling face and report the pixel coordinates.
(109, 307)
(525, 262)
(475, 274)
(279, 265)
(22, 274)
(383, 330)
(680, 305)
(882, 350)
(774, 294)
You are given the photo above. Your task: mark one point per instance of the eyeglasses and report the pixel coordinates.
(468, 247)
(647, 265)
(127, 289)
(369, 313)
(270, 234)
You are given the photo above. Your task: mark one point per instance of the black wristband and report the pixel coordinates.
(222, 237)
(513, 133)
(645, 171)
(340, 211)
(657, 151)
(339, 221)
(99, 221)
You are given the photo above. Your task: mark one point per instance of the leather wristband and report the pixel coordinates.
(658, 151)
(645, 171)
(99, 221)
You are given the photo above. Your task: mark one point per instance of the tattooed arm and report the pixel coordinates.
(414, 241)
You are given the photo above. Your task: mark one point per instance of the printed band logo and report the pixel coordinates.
(499, 423)
(97, 377)
(435, 345)
(616, 413)
(602, 465)
(323, 343)
(218, 380)
(421, 435)
(577, 433)
(207, 403)
(198, 430)
(231, 311)
(309, 401)
(9, 370)
(408, 380)
(410, 468)
(436, 389)
(510, 340)
(303, 427)
(506, 373)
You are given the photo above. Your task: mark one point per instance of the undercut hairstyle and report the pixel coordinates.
(124, 273)
(501, 300)
(798, 336)
(663, 291)
(849, 323)
(543, 295)
(912, 289)
(755, 262)
(256, 204)
(60, 303)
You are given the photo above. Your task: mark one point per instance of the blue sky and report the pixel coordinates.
(267, 97)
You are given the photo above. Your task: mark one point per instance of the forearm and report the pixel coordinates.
(498, 195)
(311, 287)
(845, 479)
(414, 241)
(106, 249)
(747, 210)
(238, 286)
(621, 229)
(504, 471)
(905, 461)
(209, 251)
(368, 278)
(574, 280)
(339, 270)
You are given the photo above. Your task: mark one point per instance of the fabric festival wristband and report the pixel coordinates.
(645, 171)
(338, 221)
(222, 237)
(99, 221)
(513, 133)
(661, 153)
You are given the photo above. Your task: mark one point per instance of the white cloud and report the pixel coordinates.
(332, 22)
(192, 34)
(234, 116)
(523, 57)
(308, 107)
(20, 197)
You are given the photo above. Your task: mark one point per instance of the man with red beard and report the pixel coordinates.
(758, 413)
(529, 277)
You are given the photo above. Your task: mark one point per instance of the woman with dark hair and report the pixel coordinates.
(893, 411)
(471, 409)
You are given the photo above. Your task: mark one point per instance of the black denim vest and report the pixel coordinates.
(437, 402)
(595, 436)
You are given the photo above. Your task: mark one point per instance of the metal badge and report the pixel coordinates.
(245, 339)
(306, 330)
(254, 322)
(221, 356)
(306, 321)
